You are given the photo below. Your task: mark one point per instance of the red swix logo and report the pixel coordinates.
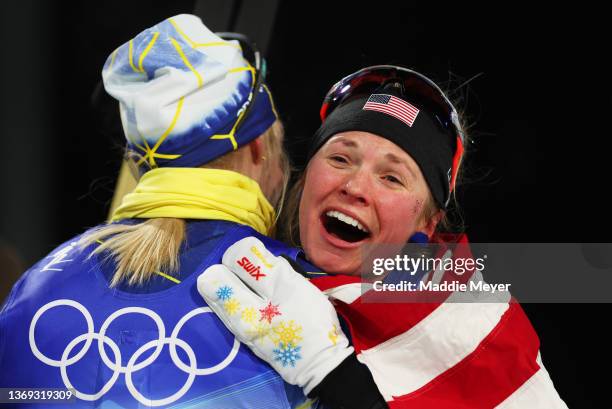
(249, 267)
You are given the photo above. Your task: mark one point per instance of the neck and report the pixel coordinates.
(198, 193)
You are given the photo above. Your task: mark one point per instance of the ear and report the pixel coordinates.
(429, 226)
(256, 147)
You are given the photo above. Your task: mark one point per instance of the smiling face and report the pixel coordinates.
(360, 189)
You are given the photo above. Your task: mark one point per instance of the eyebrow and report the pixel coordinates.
(346, 142)
(395, 159)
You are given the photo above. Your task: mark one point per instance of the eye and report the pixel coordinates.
(338, 158)
(393, 179)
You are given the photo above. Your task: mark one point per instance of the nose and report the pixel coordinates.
(356, 189)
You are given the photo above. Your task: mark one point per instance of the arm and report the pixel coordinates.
(339, 388)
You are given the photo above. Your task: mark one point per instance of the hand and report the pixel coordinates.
(277, 313)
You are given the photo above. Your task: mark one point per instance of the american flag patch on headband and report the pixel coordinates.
(393, 106)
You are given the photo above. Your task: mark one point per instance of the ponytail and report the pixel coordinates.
(140, 250)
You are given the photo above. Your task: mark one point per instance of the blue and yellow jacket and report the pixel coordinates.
(128, 347)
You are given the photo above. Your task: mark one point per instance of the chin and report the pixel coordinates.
(335, 263)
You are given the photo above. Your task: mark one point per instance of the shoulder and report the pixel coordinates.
(48, 276)
(56, 268)
(67, 256)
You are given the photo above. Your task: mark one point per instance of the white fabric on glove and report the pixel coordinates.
(277, 313)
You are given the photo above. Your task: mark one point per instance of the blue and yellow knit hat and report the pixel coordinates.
(181, 90)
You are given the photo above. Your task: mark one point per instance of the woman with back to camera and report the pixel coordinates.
(114, 313)
(381, 170)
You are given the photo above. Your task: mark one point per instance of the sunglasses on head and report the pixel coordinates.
(253, 57)
(412, 86)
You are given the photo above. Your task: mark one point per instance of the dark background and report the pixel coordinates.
(539, 106)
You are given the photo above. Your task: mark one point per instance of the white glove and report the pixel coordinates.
(277, 313)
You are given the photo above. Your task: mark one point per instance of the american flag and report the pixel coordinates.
(393, 106)
(446, 355)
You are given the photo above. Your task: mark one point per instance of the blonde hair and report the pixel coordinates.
(152, 246)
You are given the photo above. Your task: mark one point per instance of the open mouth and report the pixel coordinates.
(344, 227)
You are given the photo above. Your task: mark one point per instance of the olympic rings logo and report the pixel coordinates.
(115, 365)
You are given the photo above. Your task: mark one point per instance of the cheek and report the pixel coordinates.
(307, 201)
(417, 208)
(321, 181)
(320, 184)
(398, 216)
(307, 209)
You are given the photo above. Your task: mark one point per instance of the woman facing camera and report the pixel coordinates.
(381, 171)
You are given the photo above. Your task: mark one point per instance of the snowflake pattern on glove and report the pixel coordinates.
(268, 312)
(225, 293)
(249, 315)
(287, 354)
(232, 306)
(259, 331)
(333, 335)
(288, 333)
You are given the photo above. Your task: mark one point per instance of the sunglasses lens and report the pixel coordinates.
(252, 56)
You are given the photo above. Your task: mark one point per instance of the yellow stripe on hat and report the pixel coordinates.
(193, 44)
(186, 61)
(231, 133)
(271, 100)
(218, 44)
(130, 56)
(229, 136)
(151, 153)
(242, 69)
(146, 51)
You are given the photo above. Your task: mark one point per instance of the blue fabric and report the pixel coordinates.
(419, 237)
(195, 146)
(161, 56)
(79, 287)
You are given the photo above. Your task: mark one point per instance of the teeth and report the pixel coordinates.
(346, 219)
